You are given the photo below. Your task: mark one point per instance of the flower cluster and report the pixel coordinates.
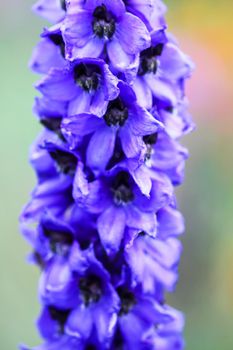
(102, 219)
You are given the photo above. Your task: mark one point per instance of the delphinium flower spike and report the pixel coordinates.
(102, 220)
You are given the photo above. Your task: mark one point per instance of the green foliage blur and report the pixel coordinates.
(205, 290)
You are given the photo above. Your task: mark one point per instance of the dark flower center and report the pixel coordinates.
(60, 242)
(66, 161)
(58, 41)
(91, 289)
(127, 300)
(118, 340)
(148, 60)
(118, 155)
(60, 316)
(53, 124)
(142, 234)
(150, 141)
(63, 5)
(38, 260)
(87, 76)
(169, 109)
(122, 192)
(103, 23)
(116, 113)
(90, 347)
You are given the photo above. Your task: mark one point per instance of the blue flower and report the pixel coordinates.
(87, 86)
(54, 188)
(92, 26)
(49, 52)
(140, 318)
(162, 69)
(81, 284)
(124, 119)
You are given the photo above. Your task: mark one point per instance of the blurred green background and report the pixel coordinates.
(205, 290)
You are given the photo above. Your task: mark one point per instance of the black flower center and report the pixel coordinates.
(127, 300)
(118, 340)
(60, 316)
(117, 157)
(63, 5)
(116, 113)
(87, 76)
(38, 260)
(91, 289)
(122, 192)
(90, 347)
(58, 41)
(148, 60)
(150, 141)
(66, 161)
(141, 234)
(53, 124)
(169, 109)
(103, 23)
(60, 242)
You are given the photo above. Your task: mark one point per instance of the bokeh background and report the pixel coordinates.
(205, 290)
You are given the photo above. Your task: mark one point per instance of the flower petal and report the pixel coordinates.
(45, 56)
(111, 227)
(110, 84)
(98, 198)
(132, 34)
(174, 64)
(162, 90)
(142, 221)
(50, 10)
(118, 57)
(105, 316)
(143, 92)
(117, 7)
(141, 177)
(80, 104)
(58, 85)
(142, 122)
(81, 124)
(75, 33)
(133, 146)
(100, 148)
(170, 222)
(98, 104)
(79, 323)
(93, 48)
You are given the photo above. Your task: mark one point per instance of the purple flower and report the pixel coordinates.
(50, 52)
(87, 86)
(162, 69)
(54, 189)
(102, 220)
(166, 155)
(168, 336)
(124, 119)
(80, 283)
(154, 261)
(91, 27)
(139, 316)
(122, 207)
